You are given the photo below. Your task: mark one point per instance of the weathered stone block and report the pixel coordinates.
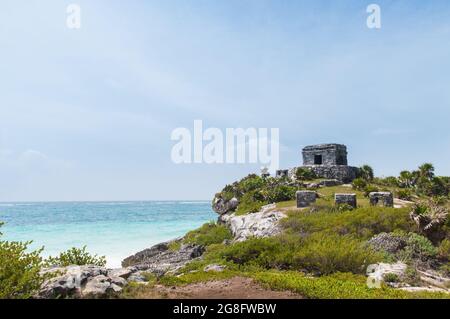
(385, 199)
(349, 199)
(305, 198)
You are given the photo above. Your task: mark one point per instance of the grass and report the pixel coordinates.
(362, 222)
(208, 234)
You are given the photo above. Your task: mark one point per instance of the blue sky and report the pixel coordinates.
(87, 114)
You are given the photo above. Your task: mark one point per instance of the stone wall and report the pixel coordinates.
(344, 174)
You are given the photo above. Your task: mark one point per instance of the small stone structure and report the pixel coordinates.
(348, 199)
(282, 173)
(385, 199)
(305, 198)
(325, 154)
(328, 161)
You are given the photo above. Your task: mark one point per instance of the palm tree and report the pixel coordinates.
(407, 179)
(429, 218)
(426, 171)
(366, 172)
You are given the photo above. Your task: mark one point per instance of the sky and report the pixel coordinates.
(87, 114)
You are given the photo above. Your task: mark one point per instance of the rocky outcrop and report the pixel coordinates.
(222, 206)
(388, 242)
(161, 259)
(261, 224)
(83, 281)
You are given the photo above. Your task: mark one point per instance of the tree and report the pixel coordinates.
(366, 172)
(426, 171)
(407, 179)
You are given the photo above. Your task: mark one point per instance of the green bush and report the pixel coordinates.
(319, 253)
(363, 222)
(418, 247)
(359, 184)
(336, 286)
(404, 194)
(366, 173)
(281, 193)
(19, 270)
(208, 234)
(75, 256)
(325, 254)
(444, 249)
(250, 203)
(369, 189)
(304, 174)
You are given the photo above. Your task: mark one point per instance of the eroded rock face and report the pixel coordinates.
(83, 281)
(262, 224)
(160, 259)
(222, 206)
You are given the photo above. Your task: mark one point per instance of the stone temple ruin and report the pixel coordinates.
(329, 161)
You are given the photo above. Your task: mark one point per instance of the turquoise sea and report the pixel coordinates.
(113, 229)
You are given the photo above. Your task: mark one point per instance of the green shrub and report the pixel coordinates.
(208, 234)
(19, 270)
(404, 194)
(336, 286)
(281, 193)
(363, 222)
(366, 173)
(359, 184)
(319, 253)
(444, 249)
(75, 256)
(326, 254)
(369, 189)
(304, 174)
(391, 277)
(261, 252)
(418, 247)
(250, 203)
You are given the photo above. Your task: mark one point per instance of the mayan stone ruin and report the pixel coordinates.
(305, 198)
(329, 161)
(385, 199)
(347, 199)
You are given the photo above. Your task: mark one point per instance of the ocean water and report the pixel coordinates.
(113, 229)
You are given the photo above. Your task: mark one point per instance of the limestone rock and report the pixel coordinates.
(160, 259)
(214, 268)
(222, 206)
(378, 271)
(79, 281)
(261, 224)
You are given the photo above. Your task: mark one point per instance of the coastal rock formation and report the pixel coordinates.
(83, 281)
(222, 206)
(160, 259)
(261, 224)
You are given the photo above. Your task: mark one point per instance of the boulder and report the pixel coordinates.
(222, 206)
(261, 224)
(305, 198)
(160, 259)
(79, 281)
(387, 242)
